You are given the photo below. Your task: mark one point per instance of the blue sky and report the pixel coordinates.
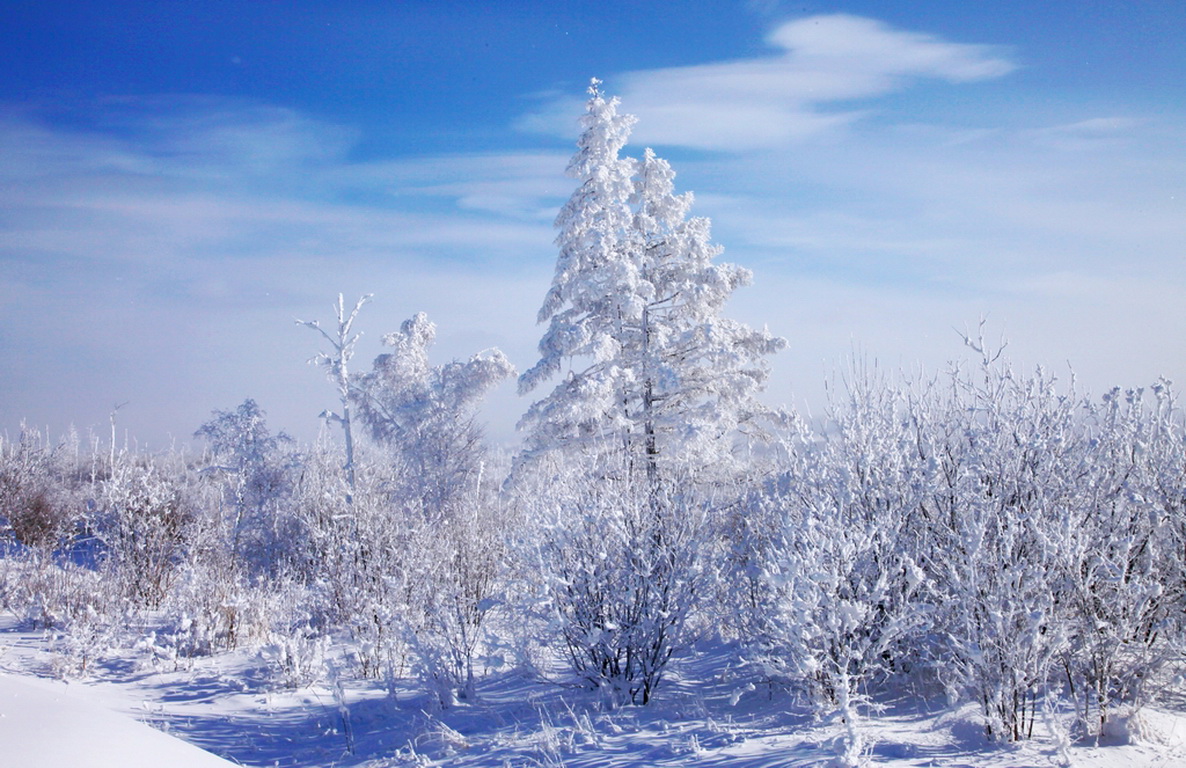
(179, 181)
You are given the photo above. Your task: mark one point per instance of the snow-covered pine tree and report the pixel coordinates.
(637, 294)
(658, 388)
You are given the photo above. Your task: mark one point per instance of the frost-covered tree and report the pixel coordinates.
(426, 413)
(635, 310)
(336, 364)
(254, 466)
(656, 389)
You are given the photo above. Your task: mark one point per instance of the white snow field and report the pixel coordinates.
(226, 710)
(48, 724)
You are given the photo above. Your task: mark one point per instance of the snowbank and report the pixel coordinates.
(44, 724)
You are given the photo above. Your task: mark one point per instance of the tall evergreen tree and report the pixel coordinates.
(638, 297)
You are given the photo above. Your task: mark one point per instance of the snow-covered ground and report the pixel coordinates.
(48, 724)
(230, 706)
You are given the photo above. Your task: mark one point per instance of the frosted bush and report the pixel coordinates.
(619, 571)
(297, 655)
(144, 521)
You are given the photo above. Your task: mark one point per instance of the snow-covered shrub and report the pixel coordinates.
(993, 530)
(80, 610)
(414, 584)
(456, 572)
(51, 593)
(44, 581)
(42, 497)
(1007, 455)
(91, 633)
(254, 471)
(294, 643)
(352, 558)
(211, 609)
(841, 581)
(297, 654)
(197, 614)
(145, 515)
(621, 568)
(1124, 596)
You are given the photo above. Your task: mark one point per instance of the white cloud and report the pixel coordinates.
(825, 63)
(841, 43)
(996, 199)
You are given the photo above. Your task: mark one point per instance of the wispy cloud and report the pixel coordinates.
(219, 180)
(526, 185)
(824, 66)
(158, 252)
(1097, 133)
